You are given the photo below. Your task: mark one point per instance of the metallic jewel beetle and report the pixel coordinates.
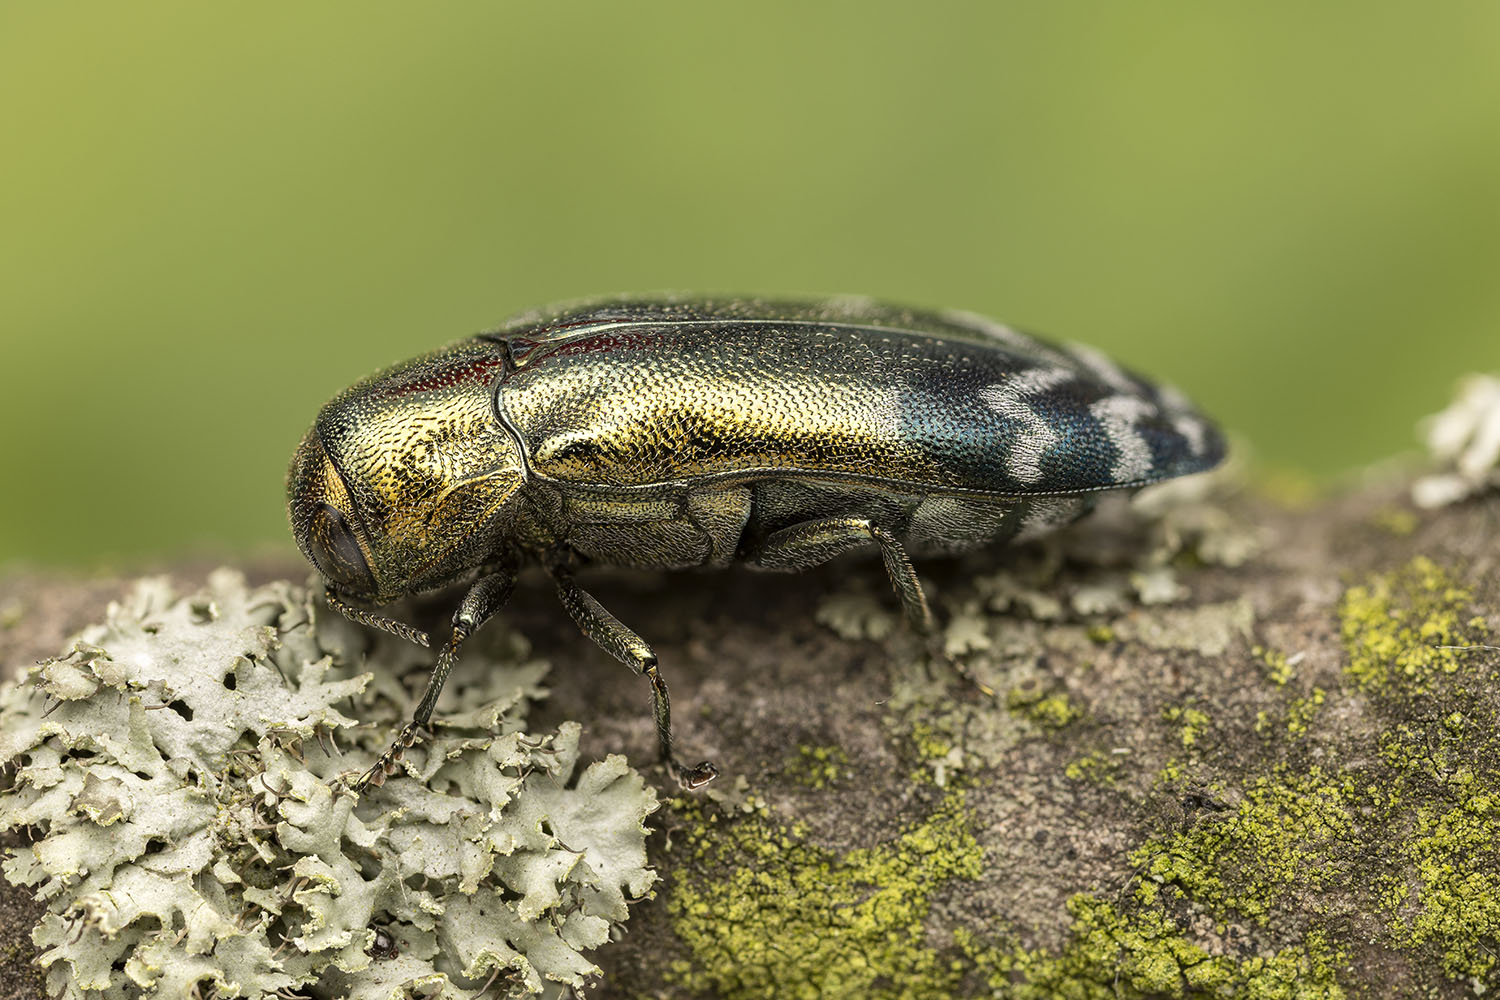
(676, 433)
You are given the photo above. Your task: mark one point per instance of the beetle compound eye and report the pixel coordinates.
(336, 552)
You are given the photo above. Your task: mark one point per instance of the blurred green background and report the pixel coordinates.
(214, 216)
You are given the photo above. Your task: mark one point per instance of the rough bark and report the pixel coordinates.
(1277, 783)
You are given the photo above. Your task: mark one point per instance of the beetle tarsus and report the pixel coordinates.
(488, 594)
(969, 677)
(689, 777)
(388, 762)
(695, 777)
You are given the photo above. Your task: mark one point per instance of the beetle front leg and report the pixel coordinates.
(630, 649)
(487, 596)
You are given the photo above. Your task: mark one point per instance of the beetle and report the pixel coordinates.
(671, 433)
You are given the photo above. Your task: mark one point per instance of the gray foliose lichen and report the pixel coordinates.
(1463, 442)
(185, 774)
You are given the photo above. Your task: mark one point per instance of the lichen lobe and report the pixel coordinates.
(185, 774)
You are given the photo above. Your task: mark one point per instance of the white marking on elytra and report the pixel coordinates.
(1192, 429)
(1046, 513)
(1103, 368)
(1034, 436)
(1118, 416)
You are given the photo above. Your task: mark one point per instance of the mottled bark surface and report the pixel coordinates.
(1275, 783)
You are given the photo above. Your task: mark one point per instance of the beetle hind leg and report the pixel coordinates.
(812, 543)
(630, 649)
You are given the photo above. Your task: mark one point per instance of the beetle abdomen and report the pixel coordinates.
(640, 395)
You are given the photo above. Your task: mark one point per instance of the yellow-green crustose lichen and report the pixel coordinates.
(1443, 891)
(1046, 711)
(1279, 667)
(792, 919)
(1459, 894)
(1114, 954)
(1191, 722)
(817, 766)
(1101, 634)
(1245, 891)
(795, 920)
(1093, 766)
(1412, 840)
(1410, 634)
(1397, 520)
(1404, 629)
(1281, 837)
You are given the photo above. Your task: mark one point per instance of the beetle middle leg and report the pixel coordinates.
(630, 649)
(487, 596)
(812, 543)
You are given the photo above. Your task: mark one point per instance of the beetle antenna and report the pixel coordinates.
(362, 617)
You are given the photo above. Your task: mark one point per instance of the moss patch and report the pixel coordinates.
(792, 919)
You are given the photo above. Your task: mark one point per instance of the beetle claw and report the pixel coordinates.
(379, 771)
(938, 654)
(696, 777)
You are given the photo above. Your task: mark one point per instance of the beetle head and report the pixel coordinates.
(401, 484)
